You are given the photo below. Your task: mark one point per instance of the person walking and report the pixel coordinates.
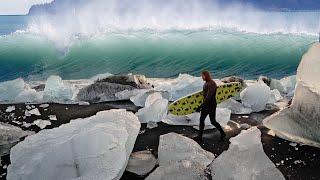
(209, 105)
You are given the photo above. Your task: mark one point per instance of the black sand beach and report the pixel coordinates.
(295, 162)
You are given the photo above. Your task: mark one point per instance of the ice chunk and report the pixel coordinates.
(136, 81)
(154, 112)
(245, 159)
(222, 116)
(34, 112)
(97, 147)
(128, 94)
(140, 98)
(289, 83)
(181, 86)
(235, 107)
(151, 124)
(275, 96)
(184, 170)
(10, 109)
(174, 148)
(57, 90)
(300, 122)
(53, 117)
(101, 91)
(42, 123)
(141, 163)
(9, 136)
(285, 85)
(83, 103)
(44, 105)
(9, 90)
(152, 98)
(256, 96)
(180, 158)
(29, 95)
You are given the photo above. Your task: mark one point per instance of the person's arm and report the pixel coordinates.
(211, 89)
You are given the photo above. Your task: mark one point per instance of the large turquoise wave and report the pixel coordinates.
(154, 54)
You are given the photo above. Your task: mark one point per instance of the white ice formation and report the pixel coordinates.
(301, 121)
(97, 147)
(155, 110)
(141, 162)
(245, 160)
(180, 158)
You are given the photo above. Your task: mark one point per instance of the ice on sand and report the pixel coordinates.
(275, 96)
(9, 136)
(181, 86)
(256, 96)
(301, 121)
(10, 109)
(9, 90)
(141, 162)
(155, 111)
(42, 123)
(29, 95)
(56, 90)
(235, 107)
(222, 116)
(140, 98)
(285, 85)
(34, 111)
(180, 158)
(245, 159)
(97, 147)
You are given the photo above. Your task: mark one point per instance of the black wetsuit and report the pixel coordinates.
(209, 106)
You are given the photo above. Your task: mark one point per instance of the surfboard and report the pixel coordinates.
(190, 103)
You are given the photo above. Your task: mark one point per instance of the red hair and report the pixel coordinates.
(207, 76)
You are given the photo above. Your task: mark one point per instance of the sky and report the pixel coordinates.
(14, 7)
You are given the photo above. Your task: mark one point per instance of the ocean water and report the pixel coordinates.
(34, 47)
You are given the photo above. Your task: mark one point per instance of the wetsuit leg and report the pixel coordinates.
(203, 116)
(212, 115)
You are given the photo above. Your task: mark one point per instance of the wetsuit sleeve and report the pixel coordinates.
(209, 95)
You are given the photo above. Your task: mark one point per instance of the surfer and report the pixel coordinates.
(209, 105)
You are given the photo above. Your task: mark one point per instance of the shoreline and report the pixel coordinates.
(300, 161)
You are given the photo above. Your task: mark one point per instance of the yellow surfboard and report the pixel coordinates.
(189, 104)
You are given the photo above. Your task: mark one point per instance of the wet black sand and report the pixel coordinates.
(300, 162)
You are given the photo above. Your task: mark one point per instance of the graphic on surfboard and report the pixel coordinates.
(189, 104)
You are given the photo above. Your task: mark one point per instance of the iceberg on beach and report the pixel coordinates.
(301, 121)
(141, 162)
(97, 147)
(235, 107)
(245, 159)
(155, 110)
(112, 88)
(9, 90)
(56, 90)
(9, 136)
(180, 158)
(275, 96)
(256, 96)
(140, 98)
(285, 85)
(181, 86)
(222, 116)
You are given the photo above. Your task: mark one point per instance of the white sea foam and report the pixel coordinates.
(93, 18)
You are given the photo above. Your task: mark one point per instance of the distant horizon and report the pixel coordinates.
(16, 7)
